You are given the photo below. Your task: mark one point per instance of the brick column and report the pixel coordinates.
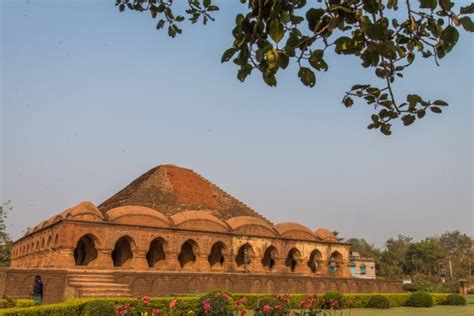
(103, 260)
(202, 263)
(64, 258)
(171, 261)
(138, 261)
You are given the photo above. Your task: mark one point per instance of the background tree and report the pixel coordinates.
(386, 35)
(459, 253)
(393, 257)
(5, 239)
(424, 257)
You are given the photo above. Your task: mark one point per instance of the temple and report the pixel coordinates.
(172, 231)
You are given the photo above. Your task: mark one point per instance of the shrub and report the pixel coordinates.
(420, 299)
(99, 307)
(455, 299)
(378, 301)
(216, 303)
(334, 300)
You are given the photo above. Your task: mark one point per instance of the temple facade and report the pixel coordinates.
(172, 231)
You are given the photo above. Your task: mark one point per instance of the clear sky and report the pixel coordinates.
(92, 98)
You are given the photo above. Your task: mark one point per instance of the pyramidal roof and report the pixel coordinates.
(171, 189)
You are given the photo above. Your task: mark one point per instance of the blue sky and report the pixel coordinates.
(92, 98)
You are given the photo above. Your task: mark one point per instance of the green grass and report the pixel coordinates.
(467, 310)
(470, 299)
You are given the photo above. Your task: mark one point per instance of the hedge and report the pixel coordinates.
(8, 303)
(77, 306)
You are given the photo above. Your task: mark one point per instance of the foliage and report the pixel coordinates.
(215, 303)
(98, 308)
(5, 238)
(185, 304)
(378, 301)
(424, 257)
(332, 300)
(387, 36)
(455, 299)
(419, 299)
(9, 302)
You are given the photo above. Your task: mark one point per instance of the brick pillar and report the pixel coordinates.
(280, 266)
(229, 263)
(323, 267)
(103, 260)
(171, 261)
(202, 263)
(64, 258)
(138, 261)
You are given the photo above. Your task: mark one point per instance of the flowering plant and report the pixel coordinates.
(216, 303)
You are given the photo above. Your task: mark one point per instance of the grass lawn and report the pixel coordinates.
(467, 310)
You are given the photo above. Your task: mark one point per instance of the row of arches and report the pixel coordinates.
(86, 251)
(37, 245)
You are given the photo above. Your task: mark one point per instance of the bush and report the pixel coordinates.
(455, 299)
(334, 300)
(378, 301)
(420, 299)
(99, 307)
(216, 303)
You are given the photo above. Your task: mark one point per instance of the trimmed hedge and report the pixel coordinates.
(378, 301)
(455, 299)
(420, 299)
(77, 306)
(9, 303)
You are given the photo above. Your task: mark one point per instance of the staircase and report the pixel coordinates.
(97, 285)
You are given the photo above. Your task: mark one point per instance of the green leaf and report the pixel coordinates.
(450, 35)
(316, 60)
(467, 24)
(313, 16)
(343, 44)
(276, 30)
(408, 119)
(348, 102)
(307, 77)
(440, 103)
(420, 113)
(228, 54)
(467, 9)
(121, 7)
(435, 109)
(270, 79)
(283, 60)
(206, 3)
(244, 71)
(428, 4)
(385, 129)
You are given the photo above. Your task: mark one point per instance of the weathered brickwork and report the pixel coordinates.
(172, 231)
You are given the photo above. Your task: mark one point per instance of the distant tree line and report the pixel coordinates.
(5, 238)
(448, 257)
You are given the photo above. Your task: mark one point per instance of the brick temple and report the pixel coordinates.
(173, 231)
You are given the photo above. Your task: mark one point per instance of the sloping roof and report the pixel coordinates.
(170, 189)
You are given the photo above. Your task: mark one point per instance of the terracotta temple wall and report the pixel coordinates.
(18, 282)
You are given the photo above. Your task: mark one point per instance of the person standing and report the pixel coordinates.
(38, 290)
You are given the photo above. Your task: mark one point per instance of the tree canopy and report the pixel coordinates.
(5, 238)
(386, 35)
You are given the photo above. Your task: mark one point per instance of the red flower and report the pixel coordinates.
(243, 312)
(173, 304)
(127, 306)
(146, 300)
(334, 304)
(155, 312)
(267, 308)
(120, 309)
(206, 305)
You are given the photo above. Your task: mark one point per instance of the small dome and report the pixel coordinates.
(325, 235)
(85, 211)
(138, 215)
(199, 220)
(294, 230)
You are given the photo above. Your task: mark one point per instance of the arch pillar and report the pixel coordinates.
(172, 261)
(280, 266)
(138, 261)
(103, 260)
(64, 258)
(202, 263)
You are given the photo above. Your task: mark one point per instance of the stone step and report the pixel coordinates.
(97, 284)
(91, 279)
(104, 292)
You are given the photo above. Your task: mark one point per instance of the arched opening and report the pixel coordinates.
(335, 263)
(217, 254)
(56, 239)
(244, 254)
(292, 259)
(122, 251)
(269, 258)
(187, 254)
(85, 251)
(363, 269)
(156, 252)
(42, 243)
(48, 244)
(314, 262)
